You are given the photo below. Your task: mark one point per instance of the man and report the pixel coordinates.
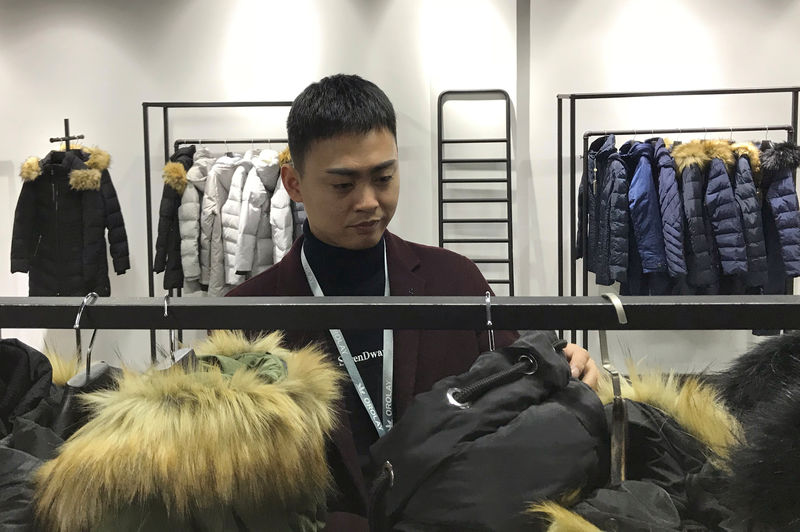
(345, 170)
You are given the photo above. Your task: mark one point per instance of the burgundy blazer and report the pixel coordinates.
(421, 357)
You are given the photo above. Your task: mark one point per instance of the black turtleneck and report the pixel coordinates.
(348, 272)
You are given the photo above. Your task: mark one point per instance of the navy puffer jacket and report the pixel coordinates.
(744, 190)
(671, 214)
(723, 210)
(692, 162)
(608, 212)
(780, 210)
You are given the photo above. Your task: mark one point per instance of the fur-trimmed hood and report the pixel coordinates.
(194, 440)
(701, 152)
(749, 150)
(779, 156)
(175, 176)
(86, 165)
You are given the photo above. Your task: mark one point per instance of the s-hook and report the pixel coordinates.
(90, 298)
(172, 343)
(619, 414)
(489, 324)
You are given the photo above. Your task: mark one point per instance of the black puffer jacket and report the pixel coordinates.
(168, 243)
(66, 204)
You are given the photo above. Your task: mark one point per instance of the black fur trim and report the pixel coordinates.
(781, 156)
(765, 472)
(761, 374)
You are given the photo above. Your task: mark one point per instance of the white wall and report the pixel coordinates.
(96, 62)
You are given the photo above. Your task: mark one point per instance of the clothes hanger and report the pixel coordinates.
(619, 412)
(185, 356)
(489, 325)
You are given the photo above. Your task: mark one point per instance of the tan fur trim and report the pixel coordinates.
(175, 176)
(98, 159)
(63, 368)
(88, 179)
(30, 169)
(689, 153)
(196, 440)
(720, 149)
(751, 151)
(561, 519)
(285, 157)
(695, 406)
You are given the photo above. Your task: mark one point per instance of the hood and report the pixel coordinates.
(603, 147)
(198, 173)
(224, 168)
(749, 150)
(661, 153)
(197, 439)
(632, 151)
(175, 176)
(285, 157)
(690, 153)
(720, 149)
(268, 168)
(781, 156)
(86, 165)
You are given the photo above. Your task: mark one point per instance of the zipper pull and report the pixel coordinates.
(594, 178)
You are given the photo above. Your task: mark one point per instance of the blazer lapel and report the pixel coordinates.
(402, 261)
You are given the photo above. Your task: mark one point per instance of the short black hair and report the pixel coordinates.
(336, 105)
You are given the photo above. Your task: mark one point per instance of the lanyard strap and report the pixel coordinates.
(388, 356)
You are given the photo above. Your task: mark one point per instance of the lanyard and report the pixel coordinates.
(388, 357)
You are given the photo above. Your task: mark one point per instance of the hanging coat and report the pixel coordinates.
(281, 222)
(608, 219)
(212, 253)
(647, 262)
(168, 242)
(669, 200)
(780, 213)
(744, 189)
(231, 211)
(66, 204)
(189, 218)
(724, 212)
(255, 248)
(701, 261)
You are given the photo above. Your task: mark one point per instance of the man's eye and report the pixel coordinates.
(342, 186)
(385, 178)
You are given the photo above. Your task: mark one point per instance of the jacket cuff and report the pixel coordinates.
(20, 265)
(122, 264)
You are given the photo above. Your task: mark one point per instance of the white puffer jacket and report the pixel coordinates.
(280, 218)
(254, 248)
(230, 217)
(212, 254)
(189, 217)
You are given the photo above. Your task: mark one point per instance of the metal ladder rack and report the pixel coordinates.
(464, 163)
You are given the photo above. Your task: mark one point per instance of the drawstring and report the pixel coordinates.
(462, 397)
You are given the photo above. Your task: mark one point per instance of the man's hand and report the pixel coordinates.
(582, 365)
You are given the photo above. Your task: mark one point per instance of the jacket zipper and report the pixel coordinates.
(36, 250)
(594, 177)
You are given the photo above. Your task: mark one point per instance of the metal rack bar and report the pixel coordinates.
(183, 142)
(715, 129)
(492, 160)
(701, 92)
(474, 220)
(489, 180)
(471, 141)
(430, 313)
(477, 200)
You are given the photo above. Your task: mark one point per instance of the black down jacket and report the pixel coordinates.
(63, 210)
(748, 164)
(168, 242)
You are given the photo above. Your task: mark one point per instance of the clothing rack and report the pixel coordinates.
(405, 312)
(573, 99)
(67, 137)
(165, 107)
(186, 142)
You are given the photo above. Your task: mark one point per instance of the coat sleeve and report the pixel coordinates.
(618, 223)
(253, 201)
(189, 228)
(646, 219)
(117, 237)
(726, 220)
(671, 220)
(165, 216)
(206, 234)
(782, 198)
(25, 238)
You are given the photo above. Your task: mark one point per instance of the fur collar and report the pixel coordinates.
(780, 156)
(720, 149)
(86, 168)
(749, 150)
(175, 176)
(689, 153)
(197, 439)
(285, 157)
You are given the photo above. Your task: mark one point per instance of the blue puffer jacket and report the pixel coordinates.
(701, 257)
(669, 199)
(608, 212)
(723, 210)
(646, 256)
(780, 210)
(744, 189)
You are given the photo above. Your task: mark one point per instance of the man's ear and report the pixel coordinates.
(291, 182)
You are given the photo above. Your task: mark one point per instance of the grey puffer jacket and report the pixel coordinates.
(212, 253)
(255, 248)
(189, 218)
(231, 217)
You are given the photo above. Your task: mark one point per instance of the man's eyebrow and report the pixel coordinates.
(352, 171)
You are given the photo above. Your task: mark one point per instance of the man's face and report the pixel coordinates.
(349, 187)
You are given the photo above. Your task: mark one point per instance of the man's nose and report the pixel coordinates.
(367, 198)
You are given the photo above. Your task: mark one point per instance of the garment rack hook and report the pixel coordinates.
(172, 343)
(89, 299)
(489, 324)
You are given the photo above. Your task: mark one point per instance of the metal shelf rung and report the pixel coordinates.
(461, 161)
